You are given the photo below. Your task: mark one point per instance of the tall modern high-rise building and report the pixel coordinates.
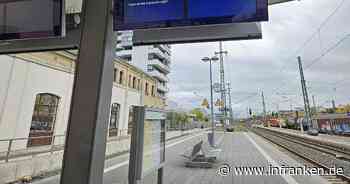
(153, 59)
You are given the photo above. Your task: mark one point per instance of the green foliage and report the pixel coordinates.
(290, 125)
(177, 119)
(182, 119)
(199, 114)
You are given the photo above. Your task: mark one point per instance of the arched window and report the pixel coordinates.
(152, 91)
(146, 89)
(43, 119)
(115, 74)
(114, 120)
(121, 77)
(130, 82)
(134, 82)
(138, 84)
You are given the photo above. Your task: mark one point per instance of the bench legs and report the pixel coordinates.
(201, 161)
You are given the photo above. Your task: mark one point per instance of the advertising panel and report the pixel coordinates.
(147, 149)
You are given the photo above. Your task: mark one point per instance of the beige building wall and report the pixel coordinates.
(23, 76)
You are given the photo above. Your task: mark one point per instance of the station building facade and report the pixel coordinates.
(35, 96)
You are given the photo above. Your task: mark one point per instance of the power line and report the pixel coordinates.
(328, 85)
(325, 53)
(330, 49)
(245, 99)
(317, 32)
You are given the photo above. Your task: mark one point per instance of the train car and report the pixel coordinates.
(333, 124)
(323, 125)
(274, 122)
(346, 128)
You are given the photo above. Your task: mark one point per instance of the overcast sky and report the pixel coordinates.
(270, 64)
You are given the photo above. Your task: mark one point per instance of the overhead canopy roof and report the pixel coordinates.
(272, 2)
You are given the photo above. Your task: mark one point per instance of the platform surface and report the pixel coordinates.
(238, 149)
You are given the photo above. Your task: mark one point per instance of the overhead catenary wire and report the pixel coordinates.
(323, 51)
(329, 50)
(317, 32)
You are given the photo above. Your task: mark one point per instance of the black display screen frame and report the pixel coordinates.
(120, 25)
(58, 29)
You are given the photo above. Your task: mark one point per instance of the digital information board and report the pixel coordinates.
(143, 14)
(28, 19)
(154, 141)
(147, 148)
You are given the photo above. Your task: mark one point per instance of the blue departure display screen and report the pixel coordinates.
(143, 14)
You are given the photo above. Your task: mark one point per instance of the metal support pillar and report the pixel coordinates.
(160, 175)
(333, 101)
(264, 108)
(222, 78)
(305, 94)
(212, 104)
(84, 153)
(230, 102)
(136, 145)
(314, 112)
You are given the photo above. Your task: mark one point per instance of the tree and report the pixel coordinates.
(199, 114)
(176, 119)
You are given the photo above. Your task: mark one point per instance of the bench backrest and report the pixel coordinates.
(205, 149)
(196, 149)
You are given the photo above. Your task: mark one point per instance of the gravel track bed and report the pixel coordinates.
(337, 149)
(326, 158)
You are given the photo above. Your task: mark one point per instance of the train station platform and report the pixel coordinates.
(333, 139)
(239, 149)
(41, 161)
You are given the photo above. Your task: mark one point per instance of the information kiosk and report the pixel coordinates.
(147, 149)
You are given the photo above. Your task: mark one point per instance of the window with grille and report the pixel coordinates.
(114, 120)
(43, 119)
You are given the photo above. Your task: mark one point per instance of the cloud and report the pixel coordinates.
(270, 64)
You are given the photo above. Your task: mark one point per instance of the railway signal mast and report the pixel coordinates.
(264, 108)
(305, 96)
(222, 80)
(230, 102)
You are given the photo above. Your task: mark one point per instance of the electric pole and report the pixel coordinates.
(222, 78)
(230, 101)
(314, 104)
(264, 108)
(305, 94)
(333, 101)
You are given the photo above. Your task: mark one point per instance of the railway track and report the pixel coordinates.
(315, 153)
(337, 151)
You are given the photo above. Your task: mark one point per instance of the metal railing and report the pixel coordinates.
(29, 150)
(11, 152)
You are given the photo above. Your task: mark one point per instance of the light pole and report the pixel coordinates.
(210, 60)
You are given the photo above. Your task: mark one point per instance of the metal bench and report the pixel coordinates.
(199, 157)
(210, 152)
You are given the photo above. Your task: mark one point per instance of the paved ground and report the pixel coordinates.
(239, 149)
